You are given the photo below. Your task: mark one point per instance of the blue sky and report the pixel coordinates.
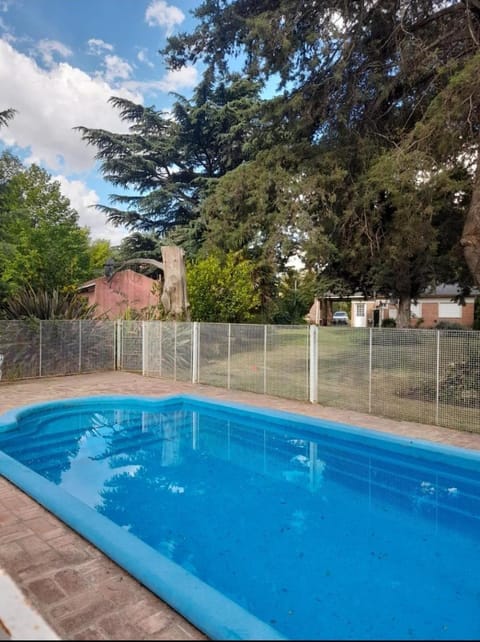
(60, 62)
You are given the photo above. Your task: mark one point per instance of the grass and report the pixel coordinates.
(398, 365)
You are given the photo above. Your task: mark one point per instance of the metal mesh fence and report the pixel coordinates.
(168, 350)
(403, 366)
(427, 376)
(287, 361)
(213, 354)
(97, 345)
(19, 350)
(130, 346)
(458, 389)
(248, 358)
(49, 348)
(343, 367)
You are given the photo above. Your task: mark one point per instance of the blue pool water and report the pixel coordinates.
(263, 525)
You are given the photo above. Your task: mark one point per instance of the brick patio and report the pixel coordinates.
(79, 592)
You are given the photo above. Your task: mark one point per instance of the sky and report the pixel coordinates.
(60, 62)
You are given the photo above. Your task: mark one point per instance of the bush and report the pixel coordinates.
(449, 325)
(389, 323)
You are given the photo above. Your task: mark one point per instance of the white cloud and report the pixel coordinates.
(161, 14)
(116, 68)
(83, 199)
(174, 80)
(142, 56)
(97, 47)
(49, 48)
(49, 104)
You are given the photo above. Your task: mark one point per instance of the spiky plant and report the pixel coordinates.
(43, 304)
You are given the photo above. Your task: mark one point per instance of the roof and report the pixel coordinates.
(447, 290)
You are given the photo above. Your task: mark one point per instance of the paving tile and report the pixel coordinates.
(144, 608)
(74, 623)
(40, 565)
(92, 633)
(112, 623)
(156, 622)
(14, 532)
(45, 590)
(44, 526)
(71, 581)
(34, 545)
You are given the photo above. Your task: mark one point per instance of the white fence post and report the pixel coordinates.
(79, 345)
(437, 380)
(265, 360)
(40, 350)
(195, 351)
(228, 354)
(370, 359)
(174, 350)
(118, 352)
(144, 348)
(313, 363)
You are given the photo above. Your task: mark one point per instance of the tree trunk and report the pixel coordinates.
(174, 295)
(403, 318)
(471, 230)
(323, 311)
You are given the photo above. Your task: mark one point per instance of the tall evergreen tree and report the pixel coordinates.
(169, 160)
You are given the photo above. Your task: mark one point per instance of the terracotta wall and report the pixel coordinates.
(127, 289)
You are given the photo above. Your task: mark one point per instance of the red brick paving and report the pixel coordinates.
(80, 592)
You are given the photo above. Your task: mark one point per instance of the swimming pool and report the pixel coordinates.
(258, 524)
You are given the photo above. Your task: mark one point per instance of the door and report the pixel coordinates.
(359, 314)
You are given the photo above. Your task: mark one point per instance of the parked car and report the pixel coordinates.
(340, 318)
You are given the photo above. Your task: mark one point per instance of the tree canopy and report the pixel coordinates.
(169, 160)
(389, 90)
(41, 242)
(364, 162)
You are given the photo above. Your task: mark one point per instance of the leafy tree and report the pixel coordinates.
(222, 291)
(169, 159)
(42, 244)
(296, 294)
(405, 227)
(99, 252)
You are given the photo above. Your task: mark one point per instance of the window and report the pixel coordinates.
(360, 309)
(449, 311)
(416, 310)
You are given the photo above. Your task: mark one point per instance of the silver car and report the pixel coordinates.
(340, 318)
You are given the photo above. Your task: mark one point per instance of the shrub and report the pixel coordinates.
(389, 323)
(449, 325)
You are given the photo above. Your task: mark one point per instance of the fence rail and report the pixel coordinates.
(429, 376)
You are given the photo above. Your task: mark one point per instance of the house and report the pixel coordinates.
(433, 306)
(436, 304)
(125, 290)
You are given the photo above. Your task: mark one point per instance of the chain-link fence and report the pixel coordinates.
(427, 376)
